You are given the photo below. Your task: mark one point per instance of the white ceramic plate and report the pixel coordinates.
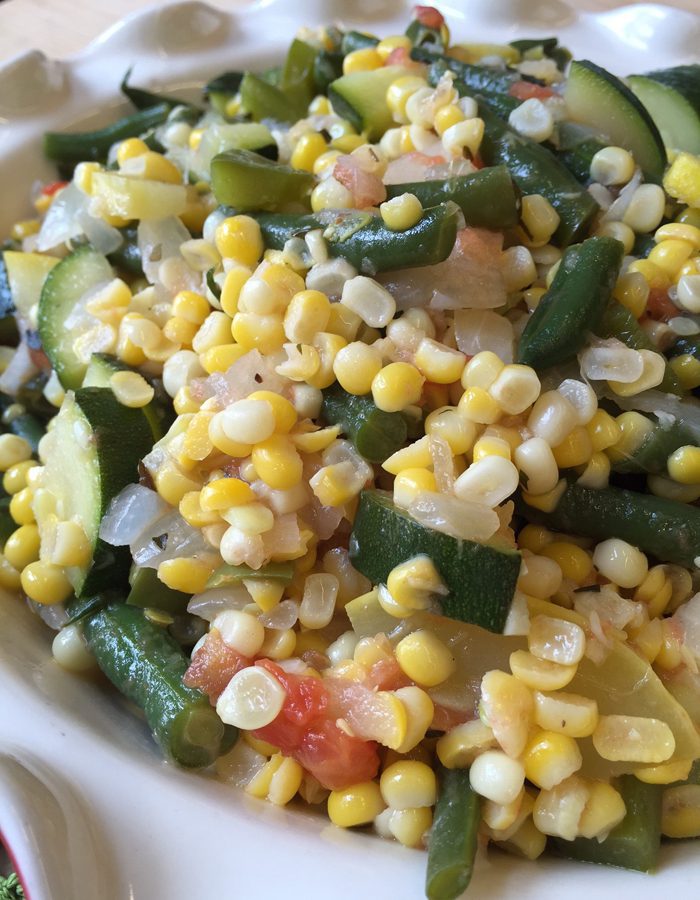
(87, 806)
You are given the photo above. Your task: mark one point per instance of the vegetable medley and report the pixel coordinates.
(351, 414)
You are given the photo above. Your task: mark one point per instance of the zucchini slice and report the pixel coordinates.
(60, 322)
(597, 98)
(92, 452)
(481, 578)
(672, 98)
(361, 99)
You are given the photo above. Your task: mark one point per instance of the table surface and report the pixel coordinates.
(63, 27)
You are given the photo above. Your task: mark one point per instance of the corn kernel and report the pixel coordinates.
(424, 658)
(477, 405)
(549, 758)
(240, 238)
(15, 478)
(408, 784)
(574, 562)
(684, 465)
(130, 149)
(307, 314)
(459, 747)
(45, 583)
(363, 60)
(187, 575)
(21, 507)
(603, 431)
(633, 739)
(402, 212)
(540, 674)
(277, 462)
(223, 493)
(13, 450)
(567, 714)
(22, 546)
(447, 116)
(682, 179)
(604, 809)
(358, 804)
(665, 773)
(398, 93)
(307, 150)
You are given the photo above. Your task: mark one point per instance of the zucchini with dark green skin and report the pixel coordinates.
(664, 529)
(672, 98)
(618, 322)
(574, 304)
(636, 841)
(221, 89)
(357, 40)
(376, 434)
(248, 181)
(576, 147)
(147, 666)
(480, 577)
(72, 148)
(365, 241)
(487, 198)
(550, 48)
(536, 170)
(502, 103)
(453, 837)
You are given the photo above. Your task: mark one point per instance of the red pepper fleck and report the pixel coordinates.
(429, 16)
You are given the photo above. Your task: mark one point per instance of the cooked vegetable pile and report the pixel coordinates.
(351, 413)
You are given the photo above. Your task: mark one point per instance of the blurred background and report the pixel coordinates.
(63, 27)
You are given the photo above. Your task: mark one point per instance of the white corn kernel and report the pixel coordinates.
(646, 208)
(252, 699)
(369, 300)
(612, 165)
(535, 460)
(558, 811)
(556, 640)
(515, 389)
(568, 714)
(622, 563)
(633, 739)
(497, 776)
(489, 481)
(240, 631)
(532, 119)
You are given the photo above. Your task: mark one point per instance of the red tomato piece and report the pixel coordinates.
(213, 666)
(429, 16)
(659, 306)
(306, 702)
(366, 189)
(335, 758)
(49, 190)
(526, 90)
(386, 675)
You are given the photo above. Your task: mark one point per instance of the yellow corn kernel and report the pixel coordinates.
(328, 346)
(665, 773)
(482, 370)
(307, 150)
(13, 450)
(224, 443)
(355, 366)
(358, 804)
(447, 116)
(223, 493)
(687, 369)
(332, 487)
(263, 333)
(414, 456)
(326, 161)
(603, 430)
(408, 784)
(315, 441)
(184, 402)
(670, 255)
(283, 411)
(573, 561)
(285, 782)
(236, 277)
(490, 446)
(277, 462)
(654, 276)
(279, 644)
(632, 291)
(682, 179)
(266, 592)
(363, 60)
(9, 576)
(22, 546)
(172, 484)
(439, 364)
(131, 389)
(604, 809)
(458, 748)
(411, 483)
(575, 450)
(259, 784)
(45, 583)
(655, 591)
(679, 231)
(398, 93)
(156, 167)
(412, 583)
(179, 331)
(240, 238)
(221, 358)
(187, 575)
(669, 656)
(130, 149)
(550, 757)
(539, 218)
(534, 538)
(402, 212)
(65, 544)
(307, 314)
(477, 405)
(446, 423)
(21, 507)
(24, 229)
(397, 41)
(684, 465)
(409, 826)
(191, 306)
(82, 176)
(633, 739)
(568, 714)
(15, 478)
(424, 658)
(320, 106)
(540, 674)
(192, 512)
(680, 811)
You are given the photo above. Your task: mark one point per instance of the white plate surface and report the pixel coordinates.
(87, 806)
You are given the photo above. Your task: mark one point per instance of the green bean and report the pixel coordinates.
(376, 434)
(453, 839)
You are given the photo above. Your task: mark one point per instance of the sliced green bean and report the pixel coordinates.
(453, 839)
(376, 434)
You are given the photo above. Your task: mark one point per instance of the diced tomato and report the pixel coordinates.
(213, 666)
(305, 731)
(526, 90)
(49, 190)
(335, 758)
(659, 306)
(480, 244)
(367, 189)
(477, 162)
(306, 701)
(429, 16)
(386, 675)
(40, 359)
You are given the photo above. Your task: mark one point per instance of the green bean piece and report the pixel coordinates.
(647, 444)
(7, 523)
(328, 66)
(357, 40)
(366, 242)
(147, 666)
(221, 89)
(422, 35)
(618, 322)
(636, 841)
(297, 82)
(266, 101)
(127, 257)
(576, 147)
(667, 530)
(376, 434)
(487, 198)
(8, 326)
(574, 304)
(476, 78)
(536, 170)
(75, 147)
(143, 99)
(453, 839)
(149, 592)
(248, 181)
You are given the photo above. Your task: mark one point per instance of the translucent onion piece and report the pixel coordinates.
(460, 518)
(130, 514)
(62, 219)
(610, 359)
(285, 615)
(477, 330)
(617, 210)
(20, 369)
